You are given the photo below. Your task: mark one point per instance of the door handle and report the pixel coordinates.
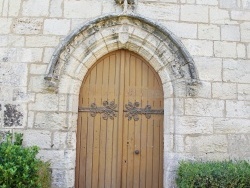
(137, 152)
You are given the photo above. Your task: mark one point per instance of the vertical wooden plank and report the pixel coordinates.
(143, 156)
(125, 72)
(90, 133)
(137, 124)
(120, 131)
(150, 133)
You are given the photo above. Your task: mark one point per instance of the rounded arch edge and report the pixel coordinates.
(54, 70)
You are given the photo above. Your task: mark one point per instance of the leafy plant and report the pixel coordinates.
(19, 167)
(225, 174)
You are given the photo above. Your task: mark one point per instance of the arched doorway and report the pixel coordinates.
(120, 124)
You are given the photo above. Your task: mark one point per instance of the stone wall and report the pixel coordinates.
(212, 123)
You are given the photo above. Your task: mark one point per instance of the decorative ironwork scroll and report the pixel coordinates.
(133, 110)
(108, 110)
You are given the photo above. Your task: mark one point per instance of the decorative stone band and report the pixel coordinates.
(108, 110)
(133, 111)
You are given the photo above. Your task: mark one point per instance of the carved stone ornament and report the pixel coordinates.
(132, 111)
(108, 110)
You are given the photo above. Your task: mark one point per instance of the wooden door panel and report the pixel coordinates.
(106, 144)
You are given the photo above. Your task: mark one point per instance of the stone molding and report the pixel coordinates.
(155, 43)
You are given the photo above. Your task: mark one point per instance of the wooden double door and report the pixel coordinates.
(120, 124)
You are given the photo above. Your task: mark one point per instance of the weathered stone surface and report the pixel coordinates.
(204, 107)
(73, 9)
(13, 115)
(194, 13)
(209, 32)
(231, 126)
(56, 26)
(50, 121)
(40, 138)
(238, 146)
(236, 71)
(207, 2)
(11, 40)
(244, 91)
(224, 90)
(55, 9)
(35, 8)
(225, 49)
(238, 109)
(5, 25)
(241, 50)
(209, 69)
(13, 74)
(45, 102)
(194, 125)
(240, 15)
(27, 25)
(206, 144)
(230, 33)
(42, 41)
(63, 140)
(245, 29)
(228, 4)
(199, 47)
(219, 16)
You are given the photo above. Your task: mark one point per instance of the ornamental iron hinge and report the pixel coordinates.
(132, 111)
(108, 110)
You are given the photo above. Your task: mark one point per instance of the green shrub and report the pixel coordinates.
(19, 167)
(226, 174)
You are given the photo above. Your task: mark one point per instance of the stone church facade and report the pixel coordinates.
(200, 49)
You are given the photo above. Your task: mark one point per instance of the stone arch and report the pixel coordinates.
(156, 44)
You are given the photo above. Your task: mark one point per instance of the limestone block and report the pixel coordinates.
(194, 13)
(248, 51)
(14, 7)
(28, 55)
(55, 157)
(20, 95)
(238, 146)
(59, 179)
(11, 40)
(47, 54)
(74, 9)
(206, 144)
(42, 41)
(241, 50)
(207, 2)
(38, 69)
(30, 121)
(243, 91)
(240, 15)
(13, 115)
(199, 47)
(209, 69)
(56, 26)
(35, 8)
(45, 102)
(204, 107)
(238, 109)
(246, 4)
(6, 93)
(55, 9)
(183, 30)
(230, 126)
(37, 84)
(159, 11)
(13, 74)
(209, 32)
(204, 90)
(229, 4)
(193, 125)
(63, 140)
(179, 106)
(30, 138)
(222, 90)
(219, 16)
(225, 49)
(5, 25)
(70, 178)
(27, 25)
(245, 29)
(236, 71)
(230, 33)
